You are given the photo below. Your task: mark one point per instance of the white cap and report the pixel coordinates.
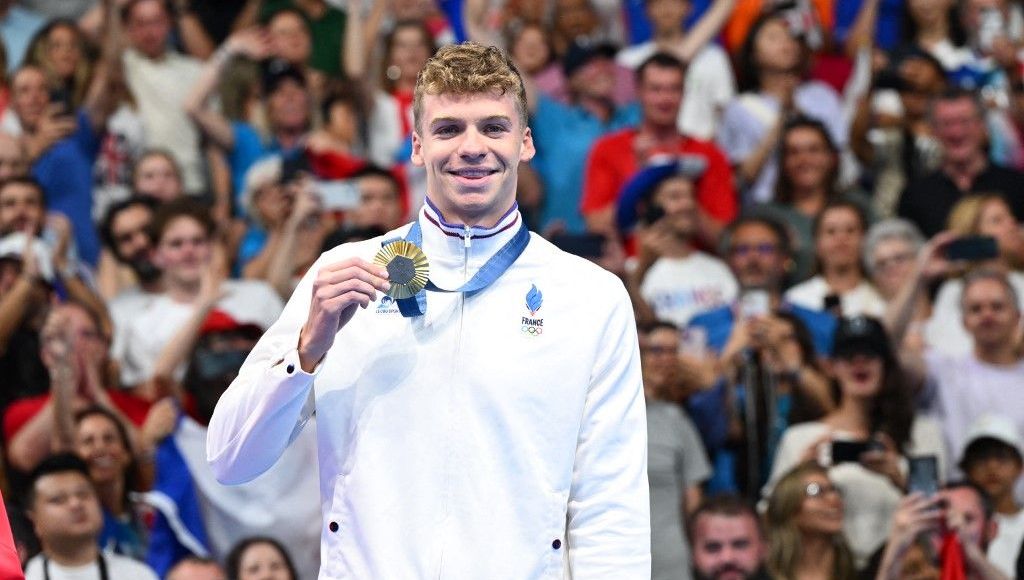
(13, 246)
(998, 427)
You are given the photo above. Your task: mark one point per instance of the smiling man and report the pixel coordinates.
(490, 426)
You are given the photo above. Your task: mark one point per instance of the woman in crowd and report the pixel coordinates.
(406, 50)
(260, 558)
(60, 50)
(864, 439)
(808, 181)
(156, 175)
(976, 215)
(530, 47)
(772, 70)
(841, 285)
(804, 523)
(934, 26)
(889, 251)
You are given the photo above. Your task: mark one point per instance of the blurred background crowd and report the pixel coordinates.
(815, 207)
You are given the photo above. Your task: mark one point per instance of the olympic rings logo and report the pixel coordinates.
(533, 330)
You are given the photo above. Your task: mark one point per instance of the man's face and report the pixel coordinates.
(12, 164)
(807, 159)
(839, 237)
(148, 26)
(190, 570)
(675, 195)
(660, 92)
(30, 97)
(922, 81)
(595, 79)
(989, 314)
(996, 471)
(183, 252)
(65, 508)
(288, 106)
(756, 257)
(727, 547)
(378, 204)
(21, 209)
(660, 364)
(289, 38)
(575, 18)
(667, 15)
(129, 232)
(471, 147)
(965, 510)
(959, 128)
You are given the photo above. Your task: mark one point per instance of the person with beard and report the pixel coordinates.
(288, 499)
(728, 540)
(126, 268)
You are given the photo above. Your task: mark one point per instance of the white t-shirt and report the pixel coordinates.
(118, 567)
(709, 86)
(677, 289)
(1006, 546)
(862, 300)
(870, 498)
(945, 331)
(143, 325)
(959, 389)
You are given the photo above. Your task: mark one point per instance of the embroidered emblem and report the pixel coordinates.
(531, 325)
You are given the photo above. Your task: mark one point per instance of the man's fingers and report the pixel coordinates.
(369, 273)
(326, 296)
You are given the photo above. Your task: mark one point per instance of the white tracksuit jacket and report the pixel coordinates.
(481, 441)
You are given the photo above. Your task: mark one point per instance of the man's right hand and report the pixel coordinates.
(337, 291)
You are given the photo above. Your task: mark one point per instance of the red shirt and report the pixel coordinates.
(613, 162)
(20, 412)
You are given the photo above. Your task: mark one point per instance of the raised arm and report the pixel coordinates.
(608, 528)
(250, 42)
(360, 37)
(255, 418)
(705, 29)
(194, 37)
(100, 101)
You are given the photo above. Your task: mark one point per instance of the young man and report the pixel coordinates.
(125, 233)
(728, 541)
(65, 512)
(993, 461)
(465, 434)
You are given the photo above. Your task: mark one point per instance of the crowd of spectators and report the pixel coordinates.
(815, 205)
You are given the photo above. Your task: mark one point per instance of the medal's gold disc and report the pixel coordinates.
(408, 270)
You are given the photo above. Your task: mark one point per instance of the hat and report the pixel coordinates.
(998, 427)
(861, 335)
(219, 321)
(12, 247)
(644, 182)
(278, 70)
(583, 51)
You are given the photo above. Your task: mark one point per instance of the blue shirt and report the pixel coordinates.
(887, 27)
(563, 135)
(249, 148)
(16, 31)
(65, 172)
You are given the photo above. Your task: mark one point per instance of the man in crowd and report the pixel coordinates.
(616, 157)
(65, 512)
(380, 202)
(125, 233)
(958, 121)
(195, 568)
(728, 541)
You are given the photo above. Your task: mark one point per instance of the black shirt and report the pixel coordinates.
(928, 200)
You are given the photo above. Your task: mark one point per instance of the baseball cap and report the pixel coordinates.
(644, 182)
(278, 70)
(12, 246)
(861, 335)
(583, 51)
(998, 427)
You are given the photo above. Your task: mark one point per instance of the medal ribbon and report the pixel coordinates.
(492, 269)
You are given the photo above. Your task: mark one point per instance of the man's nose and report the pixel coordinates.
(472, 144)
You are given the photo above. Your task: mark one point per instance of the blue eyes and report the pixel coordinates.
(452, 130)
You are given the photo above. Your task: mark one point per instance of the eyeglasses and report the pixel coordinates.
(815, 489)
(742, 250)
(893, 260)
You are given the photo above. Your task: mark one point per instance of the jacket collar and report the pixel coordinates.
(456, 251)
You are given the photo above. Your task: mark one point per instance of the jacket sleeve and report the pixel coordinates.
(608, 520)
(267, 403)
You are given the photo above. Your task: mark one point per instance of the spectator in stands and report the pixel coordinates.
(161, 78)
(808, 182)
(260, 557)
(976, 215)
(873, 407)
(890, 248)
(342, 140)
(676, 462)
(326, 25)
(958, 120)
(841, 284)
(994, 461)
(804, 521)
(709, 81)
(126, 266)
(615, 158)
(12, 158)
(184, 251)
(529, 46)
(937, 28)
(156, 175)
(772, 69)
(909, 550)
(380, 203)
(728, 540)
(196, 568)
(961, 388)
(59, 50)
(65, 513)
(673, 280)
(565, 132)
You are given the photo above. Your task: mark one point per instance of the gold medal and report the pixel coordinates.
(407, 266)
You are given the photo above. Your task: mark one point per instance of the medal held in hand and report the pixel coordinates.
(407, 266)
